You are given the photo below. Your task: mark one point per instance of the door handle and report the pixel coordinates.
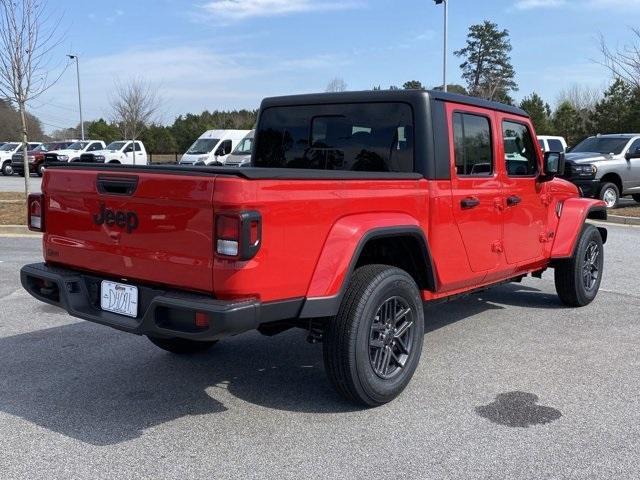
(513, 200)
(469, 202)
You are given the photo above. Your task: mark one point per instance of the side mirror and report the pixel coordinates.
(219, 152)
(553, 164)
(635, 154)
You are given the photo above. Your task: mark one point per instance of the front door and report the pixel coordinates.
(475, 186)
(524, 206)
(632, 184)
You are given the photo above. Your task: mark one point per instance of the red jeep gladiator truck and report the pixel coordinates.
(359, 207)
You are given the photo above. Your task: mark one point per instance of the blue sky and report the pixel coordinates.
(225, 54)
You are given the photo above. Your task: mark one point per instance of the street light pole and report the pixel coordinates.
(75, 57)
(444, 56)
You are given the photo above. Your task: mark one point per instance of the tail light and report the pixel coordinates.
(238, 235)
(35, 216)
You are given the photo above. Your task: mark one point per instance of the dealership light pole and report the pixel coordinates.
(444, 57)
(75, 57)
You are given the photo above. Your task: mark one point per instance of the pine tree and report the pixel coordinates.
(487, 65)
(539, 111)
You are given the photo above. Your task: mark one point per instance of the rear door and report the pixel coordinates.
(475, 185)
(525, 212)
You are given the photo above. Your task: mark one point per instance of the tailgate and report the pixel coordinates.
(146, 226)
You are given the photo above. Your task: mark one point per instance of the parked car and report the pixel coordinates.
(72, 152)
(120, 151)
(606, 167)
(213, 147)
(550, 143)
(241, 156)
(363, 206)
(7, 151)
(36, 157)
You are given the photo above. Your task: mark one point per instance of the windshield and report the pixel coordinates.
(7, 147)
(202, 146)
(77, 145)
(244, 147)
(115, 145)
(45, 147)
(602, 145)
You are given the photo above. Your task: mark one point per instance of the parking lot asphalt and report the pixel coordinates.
(15, 183)
(511, 385)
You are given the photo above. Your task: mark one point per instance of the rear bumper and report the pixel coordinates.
(162, 313)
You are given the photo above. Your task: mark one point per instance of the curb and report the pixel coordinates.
(21, 230)
(621, 220)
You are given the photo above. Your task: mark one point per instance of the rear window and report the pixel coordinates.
(375, 137)
(555, 145)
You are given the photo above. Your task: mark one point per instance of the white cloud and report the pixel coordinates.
(240, 9)
(530, 4)
(188, 79)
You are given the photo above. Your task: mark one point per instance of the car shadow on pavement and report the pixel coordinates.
(438, 315)
(104, 387)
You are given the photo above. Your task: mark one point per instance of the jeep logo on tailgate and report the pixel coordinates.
(128, 220)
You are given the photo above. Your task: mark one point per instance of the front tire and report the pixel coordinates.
(578, 278)
(181, 346)
(636, 197)
(373, 345)
(610, 194)
(7, 169)
(40, 170)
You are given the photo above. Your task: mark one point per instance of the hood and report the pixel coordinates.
(30, 153)
(585, 157)
(103, 152)
(238, 158)
(66, 152)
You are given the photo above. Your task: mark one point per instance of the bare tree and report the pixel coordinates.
(583, 98)
(135, 105)
(337, 84)
(28, 34)
(624, 62)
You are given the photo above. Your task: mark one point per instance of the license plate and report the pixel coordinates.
(119, 298)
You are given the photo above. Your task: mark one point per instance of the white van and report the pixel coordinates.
(213, 147)
(550, 143)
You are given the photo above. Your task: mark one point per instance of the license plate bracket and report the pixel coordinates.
(119, 298)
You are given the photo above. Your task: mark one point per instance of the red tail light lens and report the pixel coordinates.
(35, 217)
(238, 235)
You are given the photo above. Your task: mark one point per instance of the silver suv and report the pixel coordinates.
(606, 167)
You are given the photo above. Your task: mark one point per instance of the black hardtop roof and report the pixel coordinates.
(409, 95)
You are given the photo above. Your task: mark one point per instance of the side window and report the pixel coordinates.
(472, 145)
(519, 150)
(138, 147)
(226, 147)
(635, 146)
(555, 145)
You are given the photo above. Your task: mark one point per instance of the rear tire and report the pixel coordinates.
(610, 194)
(578, 278)
(182, 346)
(373, 345)
(636, 197)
